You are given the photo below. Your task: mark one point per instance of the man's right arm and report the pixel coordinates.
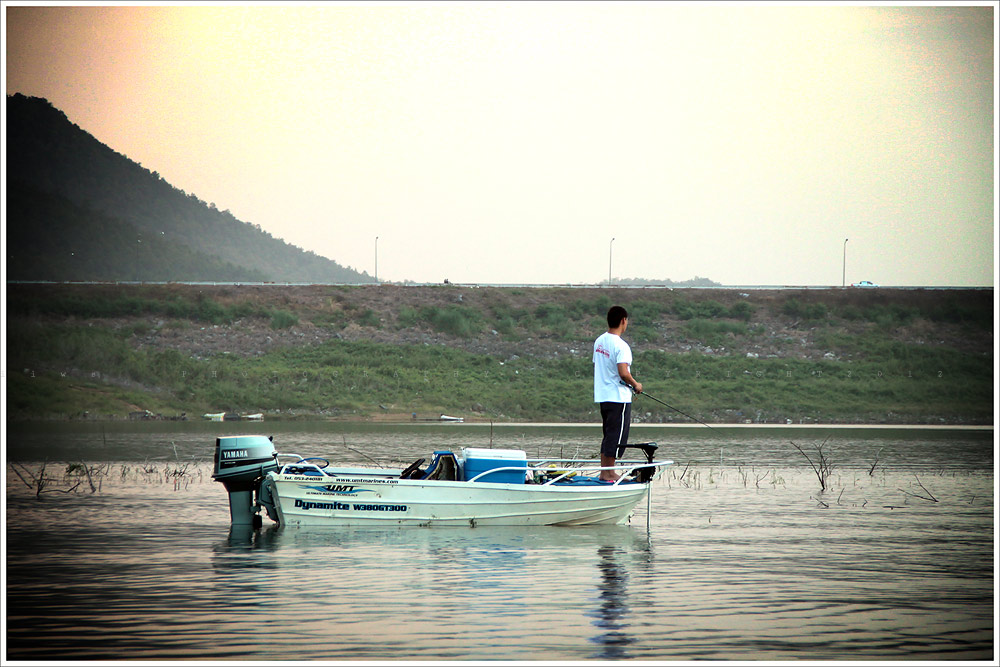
(626, 375)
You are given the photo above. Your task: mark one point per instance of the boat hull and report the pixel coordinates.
(380, 500)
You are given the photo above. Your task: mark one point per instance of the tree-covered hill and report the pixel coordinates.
(54, 239)
(78, 210)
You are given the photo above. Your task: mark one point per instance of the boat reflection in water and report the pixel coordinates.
(727, 569)
(487, 580)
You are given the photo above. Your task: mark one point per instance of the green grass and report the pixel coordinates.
(910, 385)
(714, 332)
(454, 320)
(195, 309)
(806, 311)
(65, 370)
(79, 364)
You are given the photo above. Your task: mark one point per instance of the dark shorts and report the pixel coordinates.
(616, 418)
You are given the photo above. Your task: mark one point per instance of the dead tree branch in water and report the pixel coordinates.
(39, 483)
(13, 466)
(930, 496)
(823, 467)
(871, 471)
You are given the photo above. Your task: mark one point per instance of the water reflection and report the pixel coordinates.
(145, 570)
(245, 539)
(613, 608)
(244, 563)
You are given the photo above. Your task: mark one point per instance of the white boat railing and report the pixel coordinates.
(301, 462)
(627, 466)
(540, 466)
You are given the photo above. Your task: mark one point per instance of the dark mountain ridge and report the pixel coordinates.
(78, 210)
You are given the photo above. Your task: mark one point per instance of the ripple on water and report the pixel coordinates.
(739, 562)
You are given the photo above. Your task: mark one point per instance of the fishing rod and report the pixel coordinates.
(667, 405)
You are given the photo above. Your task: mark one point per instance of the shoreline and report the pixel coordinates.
(509, 424)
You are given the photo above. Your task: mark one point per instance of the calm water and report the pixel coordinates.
(743, 557)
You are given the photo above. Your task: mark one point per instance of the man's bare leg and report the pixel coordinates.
(609, 475)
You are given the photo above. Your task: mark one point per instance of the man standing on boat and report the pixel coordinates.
(613, 387)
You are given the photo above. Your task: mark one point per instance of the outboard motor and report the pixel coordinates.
(241, 462)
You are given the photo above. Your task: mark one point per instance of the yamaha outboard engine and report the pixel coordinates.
(241, 462)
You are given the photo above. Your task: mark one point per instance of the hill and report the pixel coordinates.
(81, 211)
(385, 352)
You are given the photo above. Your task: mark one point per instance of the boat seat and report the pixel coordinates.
(444, 467)
(413, 471)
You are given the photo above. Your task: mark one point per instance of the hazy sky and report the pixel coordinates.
(511, 142)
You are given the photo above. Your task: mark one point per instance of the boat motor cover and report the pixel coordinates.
(242, 459)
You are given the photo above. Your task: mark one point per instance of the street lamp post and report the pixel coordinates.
(843, 277)
(376, 260)
(610, 250)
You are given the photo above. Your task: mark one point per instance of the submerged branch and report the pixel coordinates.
(13, 466)
(90, 479)
(871, 471)
(929, 497)
(823, 467)
(925, 488)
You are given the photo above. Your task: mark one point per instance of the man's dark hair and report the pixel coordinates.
(615, 316)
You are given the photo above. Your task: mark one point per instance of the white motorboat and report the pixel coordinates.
(471, 488)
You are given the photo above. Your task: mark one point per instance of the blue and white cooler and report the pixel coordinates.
(476, 461)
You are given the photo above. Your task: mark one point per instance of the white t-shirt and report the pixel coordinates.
(609, 351)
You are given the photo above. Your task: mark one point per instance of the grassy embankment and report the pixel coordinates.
(65, 358)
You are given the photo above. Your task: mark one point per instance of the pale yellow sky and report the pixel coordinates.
(510, 142)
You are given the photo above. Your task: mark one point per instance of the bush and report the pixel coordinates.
(741, 310)
(555, 320)
(282, 319)
(687, 310)
(550, 315)
(585, 309)
(806, 311)
(644, 312)
(962, 314)
(454, 320)
(712, 331)
(407, 317)
(506, 325)
(368, 319)
(711, 309)
(885, 316)
(211, 311)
